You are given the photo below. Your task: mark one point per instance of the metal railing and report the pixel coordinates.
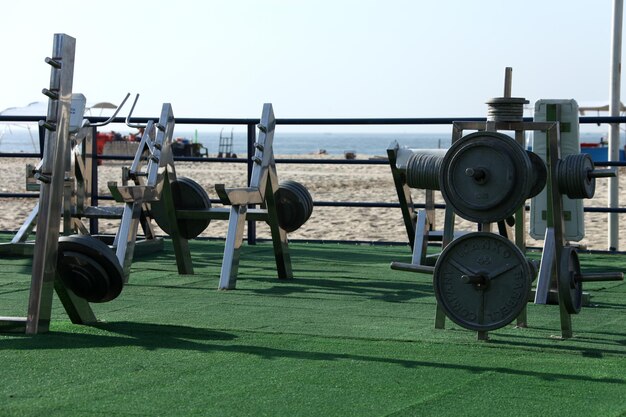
(251, 123)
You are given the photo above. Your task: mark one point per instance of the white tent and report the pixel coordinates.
(40, 108)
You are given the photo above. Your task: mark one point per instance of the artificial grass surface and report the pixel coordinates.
(347, 337)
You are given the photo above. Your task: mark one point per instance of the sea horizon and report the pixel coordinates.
(19, 139)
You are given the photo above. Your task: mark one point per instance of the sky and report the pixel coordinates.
(318, 58)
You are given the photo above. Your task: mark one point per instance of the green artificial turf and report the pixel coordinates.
(347, 337)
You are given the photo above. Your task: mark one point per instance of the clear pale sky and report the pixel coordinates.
(322, 58)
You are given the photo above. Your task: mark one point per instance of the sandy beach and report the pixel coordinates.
(326, 182)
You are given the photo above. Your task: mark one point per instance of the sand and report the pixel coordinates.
(326, 182)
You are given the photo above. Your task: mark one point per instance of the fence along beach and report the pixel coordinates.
(326, 182)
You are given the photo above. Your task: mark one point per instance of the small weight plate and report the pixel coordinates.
(570, 287)
(89, 268)
(485, 177)
(573, 176)
(482, 281)
(188, 195)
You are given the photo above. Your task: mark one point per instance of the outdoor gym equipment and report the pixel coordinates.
(80, 267)
(51, 174)
(482, 281)
(284, 207)
(88, 266)
(83, 269)
(77, 186)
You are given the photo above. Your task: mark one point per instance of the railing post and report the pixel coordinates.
(93, 222)
(42, 140)
(250, 164)
(615, 109)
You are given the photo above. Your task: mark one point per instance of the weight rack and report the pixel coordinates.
(285, 207)
(460, 179)
(51, 175)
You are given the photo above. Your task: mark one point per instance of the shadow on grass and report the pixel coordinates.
(154, 336)
(387, 291)
(123, 334)
(381, 290)
(580, 345)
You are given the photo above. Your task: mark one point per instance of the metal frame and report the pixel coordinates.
(418, 224)
(261, 190)
(242, 201)
(149, 183)
(51, 173)
(78, 188)
(64, 176)
(553, 137)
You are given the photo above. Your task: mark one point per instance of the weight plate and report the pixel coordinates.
(187, 195)
(570, 287)
(485, 177)
(502, 101)
(539, 173)
(574, 179)
(294, 205)
(89, 268)
(422, 171)
(482, 281)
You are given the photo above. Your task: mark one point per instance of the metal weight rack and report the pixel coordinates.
(482, 280)
(419, 225)
(51, 175)
(285, 207)
(76, 189)
(79, 267)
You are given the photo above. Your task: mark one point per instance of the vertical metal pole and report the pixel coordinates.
(42, 141)
(93, 222)
(232, 248)
(614, 109)
(251, 141)
(51, 192)
(508, 81)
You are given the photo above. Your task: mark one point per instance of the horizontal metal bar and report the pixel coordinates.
(375, 161)
(219, 213)
(319, 121)
(600, 276)
(604, 210)
(609, 163)
(364, 204)
(422, 269)
(19, 155)
(19, 195)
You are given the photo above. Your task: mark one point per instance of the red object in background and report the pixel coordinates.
(101, 139)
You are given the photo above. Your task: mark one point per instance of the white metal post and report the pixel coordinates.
(614, 109)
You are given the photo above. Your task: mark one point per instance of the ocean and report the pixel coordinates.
(18, 138)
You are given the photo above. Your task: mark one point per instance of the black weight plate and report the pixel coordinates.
(290, 191)
(588, 184)
(304, 193)
(422, 171)
(505, 287)
(505, 180)
(294, 205)
(188, 195)
(574, 179)
(539, 174)
(570, 288)
(89, 268)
